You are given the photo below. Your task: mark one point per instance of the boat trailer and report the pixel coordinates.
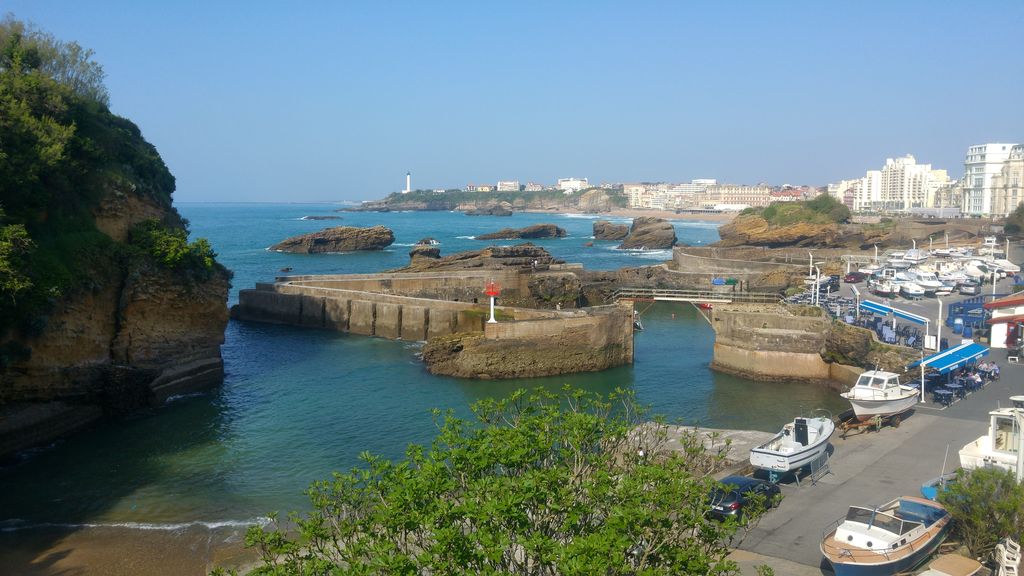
(848, 421)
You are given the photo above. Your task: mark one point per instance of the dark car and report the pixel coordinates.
(854, 277)
(737, 493)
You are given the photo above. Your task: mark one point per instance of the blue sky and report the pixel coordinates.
(327, 101)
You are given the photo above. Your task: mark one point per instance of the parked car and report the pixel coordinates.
(970, 289)
(737, 493)
(854, 277)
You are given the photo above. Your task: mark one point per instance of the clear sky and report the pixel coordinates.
(292, 101)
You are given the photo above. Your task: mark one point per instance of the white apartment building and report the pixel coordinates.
(900, 185)
(662, 195)
(1008, 184)
(983, 162)
(533, 187)
(508, 185)
(570, 185)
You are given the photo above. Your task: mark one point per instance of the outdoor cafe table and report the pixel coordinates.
(943, 396)
(956, 389)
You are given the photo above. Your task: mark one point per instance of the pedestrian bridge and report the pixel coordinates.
(695, 296)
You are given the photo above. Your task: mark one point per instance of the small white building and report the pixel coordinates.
(570, 185)
(534, 187)
(1007, 321)
(508, 185)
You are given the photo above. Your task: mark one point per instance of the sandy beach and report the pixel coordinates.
(637, 212)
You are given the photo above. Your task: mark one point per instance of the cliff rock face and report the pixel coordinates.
(605, 230)
(530, 232)
(338, 239)
(120, 310)
(755, 231)
(491, 210)
(650, 233)
(524, 255)
(593, 201)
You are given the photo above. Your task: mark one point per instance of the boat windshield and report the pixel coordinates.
(879, 520)
(871, 381)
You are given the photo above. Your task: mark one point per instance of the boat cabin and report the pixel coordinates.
(1001, 447)
(887, 527)
(878, 380)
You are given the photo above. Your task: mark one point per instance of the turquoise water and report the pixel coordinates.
(297, 404)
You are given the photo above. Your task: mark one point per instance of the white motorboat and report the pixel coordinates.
(925, 279)
(1002, 446)
(879, 393)
(798, 444)
(869, 269)
(911, 290)
(915, 256)
(883, 288)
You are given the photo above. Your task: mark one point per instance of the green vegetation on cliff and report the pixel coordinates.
(455, 197)
(1015, 221)
(63, 155)
(822, 210)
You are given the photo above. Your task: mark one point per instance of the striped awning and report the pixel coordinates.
(953, 358)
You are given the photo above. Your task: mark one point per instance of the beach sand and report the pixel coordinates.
(636, 212)
(116, 551)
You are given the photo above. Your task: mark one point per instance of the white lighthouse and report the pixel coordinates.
(408, 183)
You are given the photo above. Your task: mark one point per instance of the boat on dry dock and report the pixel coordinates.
(1002, 446)
(890, 539)
(879, 393)
(799, 443)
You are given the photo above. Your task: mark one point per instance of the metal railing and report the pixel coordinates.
(709, 296)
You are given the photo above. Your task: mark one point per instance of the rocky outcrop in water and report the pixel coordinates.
(650, 233)
(752, 230)
(605, 230)
(493, 210)
(338, 239)
(530, 232)
(524, 256)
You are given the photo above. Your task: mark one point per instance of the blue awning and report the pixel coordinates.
(876, 307)
(909, 316)
(953, 358)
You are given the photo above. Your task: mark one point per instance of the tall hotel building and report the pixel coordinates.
(983, 163)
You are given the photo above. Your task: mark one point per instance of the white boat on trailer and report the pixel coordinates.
(799, 443)
(911, 290)
(879, 393)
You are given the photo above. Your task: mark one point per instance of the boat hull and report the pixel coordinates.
(865, 409)
(904, 564)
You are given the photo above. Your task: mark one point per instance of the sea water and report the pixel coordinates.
(298, 403)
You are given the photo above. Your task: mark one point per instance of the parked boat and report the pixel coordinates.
(798, 444)
(879, 393)
(883, 288)
(895, 537)
(915, 256)
(930, 489)
(1002, 446)
(911, 290)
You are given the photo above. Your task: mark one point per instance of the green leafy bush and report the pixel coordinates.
(171, 248)
(1015, 221)
(987, 504)
(537, 483)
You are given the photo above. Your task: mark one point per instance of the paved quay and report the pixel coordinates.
(871, 468)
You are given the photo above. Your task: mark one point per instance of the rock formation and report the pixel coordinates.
(750, 230)
(428, 241)
(650, 233)
(338, 239)
(123, 311)
(494, 257)
(605, 230)
(492, 210)
(596, 200)
(530, 232)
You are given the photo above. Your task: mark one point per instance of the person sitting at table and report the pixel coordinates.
(995, 371)
(976, 378)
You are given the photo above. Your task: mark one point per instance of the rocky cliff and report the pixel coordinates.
(530, 232)
(753, 230)
(106, 306)
(338, 239)
(605, 230)
(524, 256)
(650, 233)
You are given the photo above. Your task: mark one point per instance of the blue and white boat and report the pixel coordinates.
(799, 443)
(890, 539)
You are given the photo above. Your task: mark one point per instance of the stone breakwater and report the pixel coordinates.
(780, 342)
(447, 310)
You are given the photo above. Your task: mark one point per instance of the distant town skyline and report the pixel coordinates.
(324, 102)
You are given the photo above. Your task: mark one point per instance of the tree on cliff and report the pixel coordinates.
(62, 155)
(538, 483)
